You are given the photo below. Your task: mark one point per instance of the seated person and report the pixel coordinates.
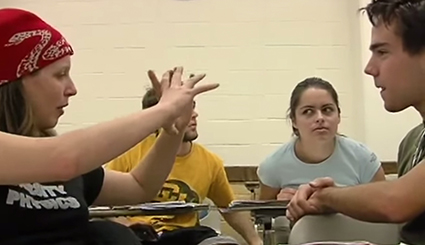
(197, 174)
(397, 69)
(317, 149)
(48, 180)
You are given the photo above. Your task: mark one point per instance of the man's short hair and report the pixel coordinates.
(408, 17)
(149, 99)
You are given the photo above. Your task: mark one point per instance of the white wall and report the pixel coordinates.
(257, 49)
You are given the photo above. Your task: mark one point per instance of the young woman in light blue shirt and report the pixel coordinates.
(317, 150)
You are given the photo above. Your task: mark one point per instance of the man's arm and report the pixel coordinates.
(395, 201)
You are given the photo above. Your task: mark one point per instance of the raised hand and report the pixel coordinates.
(178, 96)
(170, 127)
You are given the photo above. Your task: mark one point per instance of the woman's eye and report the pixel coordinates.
(61, 75)
(328, 109)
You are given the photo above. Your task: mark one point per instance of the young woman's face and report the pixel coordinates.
(48, 92)
(316, 116)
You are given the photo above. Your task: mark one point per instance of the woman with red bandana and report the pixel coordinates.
(47, 183)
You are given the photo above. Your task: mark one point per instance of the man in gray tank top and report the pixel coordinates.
(397, 64)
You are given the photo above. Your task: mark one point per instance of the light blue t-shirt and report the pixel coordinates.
(351, 163)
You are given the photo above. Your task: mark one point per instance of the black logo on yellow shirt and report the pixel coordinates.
(176, 190)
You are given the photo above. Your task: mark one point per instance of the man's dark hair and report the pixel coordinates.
(149, 99)
(408, 17)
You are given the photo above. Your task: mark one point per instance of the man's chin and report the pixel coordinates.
(190, 137)
(394, 108)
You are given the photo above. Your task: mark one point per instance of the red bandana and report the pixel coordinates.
(27, 44)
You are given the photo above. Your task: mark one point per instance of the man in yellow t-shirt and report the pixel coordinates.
(197, 173)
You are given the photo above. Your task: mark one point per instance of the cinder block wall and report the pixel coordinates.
(257, 49)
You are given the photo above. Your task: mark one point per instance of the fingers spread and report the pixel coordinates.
(193, 80)
(176, 79)
(204, 88)
(165, 81)
(156, 85)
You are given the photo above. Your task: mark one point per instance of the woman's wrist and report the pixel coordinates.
(167, 112)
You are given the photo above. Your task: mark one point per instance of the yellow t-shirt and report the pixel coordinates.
(193, 177)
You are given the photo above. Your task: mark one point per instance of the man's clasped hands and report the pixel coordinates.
(307, 198)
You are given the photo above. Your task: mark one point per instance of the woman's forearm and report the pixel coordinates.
(25, 159)
(97, 145)
(154, 169)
